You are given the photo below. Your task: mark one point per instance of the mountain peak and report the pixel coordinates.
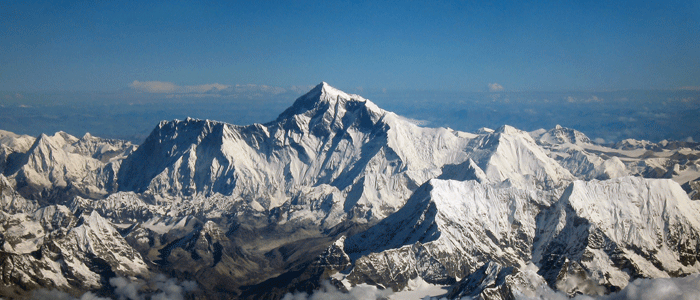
(331, 92)
(507, 129)
(322, 98)
(564, 135)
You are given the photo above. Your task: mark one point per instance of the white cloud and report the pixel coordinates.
(153, 86)
(203, 88)
(44, 294)
(599, 140)
(125, 289)
(160, 87)
(328, 291)
(690, 139)
(626, 119)
(594, 99)
(658, 289)
(259, 88)
(250, 91)
(495, 87)
(167, 288)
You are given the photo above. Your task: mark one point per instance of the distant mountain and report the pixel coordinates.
(337, 189)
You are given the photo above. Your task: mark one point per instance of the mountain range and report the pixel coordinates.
(339, 191)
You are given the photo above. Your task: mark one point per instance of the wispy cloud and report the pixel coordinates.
(162, 87)
(153, 86)
(495, 87)
(256, 88)
(171, 90)
(301, 89)
(591, 99)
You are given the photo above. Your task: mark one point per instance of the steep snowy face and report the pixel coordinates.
(602, 233)
(322, 137)
(512, 155)
(327, 143)
(448, 229)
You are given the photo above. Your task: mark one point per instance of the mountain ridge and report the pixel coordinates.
(336, 188)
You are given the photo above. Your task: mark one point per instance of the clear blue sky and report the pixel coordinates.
(432, 45)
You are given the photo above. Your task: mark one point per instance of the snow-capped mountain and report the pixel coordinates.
(617, 230)
(593, 238)
(57, 167)
(338, 189)
(447, 230)
(53, 248)
(509, 154)
(348, 154)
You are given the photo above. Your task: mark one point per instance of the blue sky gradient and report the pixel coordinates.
(613, 69)
(438, 45)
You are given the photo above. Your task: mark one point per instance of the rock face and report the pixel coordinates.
(263, 210)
